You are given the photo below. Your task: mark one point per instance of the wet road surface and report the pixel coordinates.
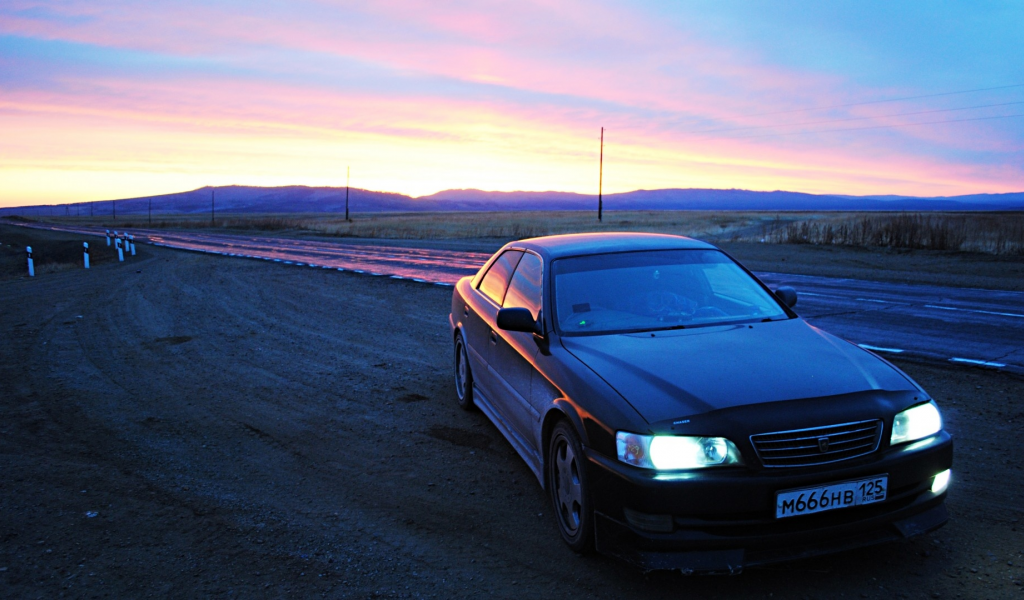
(962, 325)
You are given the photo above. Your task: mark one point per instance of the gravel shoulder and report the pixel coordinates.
(190, 425)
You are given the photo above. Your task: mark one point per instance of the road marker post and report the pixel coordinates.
(108, 238)
(120, 250)
(132, 238)
(86, 245)
(31, 265)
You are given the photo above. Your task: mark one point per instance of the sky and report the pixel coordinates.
(103, 99)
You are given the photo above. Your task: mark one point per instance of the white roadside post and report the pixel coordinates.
(120, 250)
(108, 238)
(132, 238)
(86, 245)
(31, 266)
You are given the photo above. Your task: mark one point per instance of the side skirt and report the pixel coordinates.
(531, 458)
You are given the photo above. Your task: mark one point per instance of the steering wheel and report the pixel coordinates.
(665, 305)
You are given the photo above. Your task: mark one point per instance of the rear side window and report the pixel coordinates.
(496, 280)
(524, 291)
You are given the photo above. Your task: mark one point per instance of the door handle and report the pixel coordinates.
(494, 337)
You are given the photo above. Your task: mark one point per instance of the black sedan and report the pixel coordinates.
(682, 416)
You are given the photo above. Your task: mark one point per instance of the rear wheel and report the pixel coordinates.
(567, 483)
(463, 375)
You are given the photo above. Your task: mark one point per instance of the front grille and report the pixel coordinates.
(801, 448)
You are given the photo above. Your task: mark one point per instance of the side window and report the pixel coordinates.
(729, 281)
(496, 279)
(524, 291)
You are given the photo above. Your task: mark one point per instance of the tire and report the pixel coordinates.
(463, 375)
(569, 491)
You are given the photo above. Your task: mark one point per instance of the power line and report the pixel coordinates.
(969, 91)
(922, 112)
(879, 126)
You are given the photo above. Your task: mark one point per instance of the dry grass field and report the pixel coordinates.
(456, 225)
(985, 232)
(998, 233)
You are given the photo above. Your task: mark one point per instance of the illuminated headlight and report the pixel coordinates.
(941, 482)
(915, 423)
(669, 452)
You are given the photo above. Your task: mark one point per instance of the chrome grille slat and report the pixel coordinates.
(831, 440)
(791, 448)
(816, 454)
(869, 430)
(832, 443)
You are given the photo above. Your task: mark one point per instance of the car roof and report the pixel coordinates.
(581, 244)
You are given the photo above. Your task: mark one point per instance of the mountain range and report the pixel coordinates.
(237, 199)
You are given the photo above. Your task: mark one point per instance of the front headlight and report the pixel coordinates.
(915, 423)
(669, 452)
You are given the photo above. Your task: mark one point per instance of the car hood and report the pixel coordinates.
(672, 374)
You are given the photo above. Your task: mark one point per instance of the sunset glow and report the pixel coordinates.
(114, 98)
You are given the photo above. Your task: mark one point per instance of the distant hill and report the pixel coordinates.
(297, 199)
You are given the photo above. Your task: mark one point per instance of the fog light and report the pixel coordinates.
(655, 523)
(941, 482)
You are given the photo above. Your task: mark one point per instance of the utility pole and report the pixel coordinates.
(600, 180)
(213, 207)
(113, 203)
(150, 212)
(348, 175)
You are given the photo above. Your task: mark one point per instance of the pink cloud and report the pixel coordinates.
(553, 72)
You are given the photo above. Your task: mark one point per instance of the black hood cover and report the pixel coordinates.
(671, 374)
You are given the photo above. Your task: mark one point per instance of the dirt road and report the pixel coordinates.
(187, 425)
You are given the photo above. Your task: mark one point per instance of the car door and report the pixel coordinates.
(512, 362)
(480, 322)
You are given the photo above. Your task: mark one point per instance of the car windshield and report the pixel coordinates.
(665, 289)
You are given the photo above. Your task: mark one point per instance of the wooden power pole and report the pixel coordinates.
(600, 180)
(348, 175)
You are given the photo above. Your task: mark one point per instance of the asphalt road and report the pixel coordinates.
(964, 325)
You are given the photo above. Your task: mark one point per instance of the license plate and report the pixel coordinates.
(832, 496)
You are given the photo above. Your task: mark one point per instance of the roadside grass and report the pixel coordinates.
(517, 225)
(454, 225)
(48, 255)
(995, 233)
(1000, 233)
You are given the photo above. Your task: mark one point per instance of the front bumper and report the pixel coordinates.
(724, 519)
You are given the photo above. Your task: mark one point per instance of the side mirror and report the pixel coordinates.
(517, 319)
(787, 295)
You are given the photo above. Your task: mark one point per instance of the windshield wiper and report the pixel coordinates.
(669, 328)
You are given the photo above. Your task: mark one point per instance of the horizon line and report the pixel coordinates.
(300, 185)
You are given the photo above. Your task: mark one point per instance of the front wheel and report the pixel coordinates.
(567, 483)
(463, 376)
